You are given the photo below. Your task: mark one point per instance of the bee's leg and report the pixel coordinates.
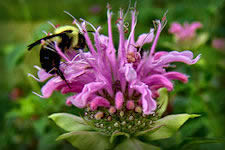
(59, 73)
(52, 71)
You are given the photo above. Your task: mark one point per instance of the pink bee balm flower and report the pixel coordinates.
(219, 43)
(118, 80)
(185, 32)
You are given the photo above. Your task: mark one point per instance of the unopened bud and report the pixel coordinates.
(116, 124)
(112, 110)
(121, 114)
(131, 118)
(139, 122)
(109, 118)
(130, 105)
(150, 122)
(138, 109)
(123, 123)
(99, 115)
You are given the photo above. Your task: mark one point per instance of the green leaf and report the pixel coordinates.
(17, 52)
(201, 39)
(70, 122)
(85, 140)
(170, 124)
(116, 134)
(195, 142)
(134, 144)
(149, 131)
(162, 101)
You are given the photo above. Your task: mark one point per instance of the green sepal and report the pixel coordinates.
(86, 140)
(162, 101)
(116, 134)
(169, 125)
(135, 144)
(70, 122)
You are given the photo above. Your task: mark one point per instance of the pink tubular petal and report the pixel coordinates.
(58, 50)
(99, 102)
(159, 80)
(145, 38)
(119, 100)
(68, 102)
(175, 27)
(159, 54)
(130, 42)
(87, 39)
(110, 51)
(70, 54)
(104, 41)
(133, 24)
(175, 56)
(102, 59)
(109, 15)
(121, 49)
(130, 73)
(219, 43)
(176, 76)
(43, 75)
(156, 39)
(195, 25)
(75, 87)
(155, 93)
(51, 86)
(81, 99)
(148, 103)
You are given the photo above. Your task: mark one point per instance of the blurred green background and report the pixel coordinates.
(23, 116)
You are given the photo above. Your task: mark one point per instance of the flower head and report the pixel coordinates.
(185, 32)
(219, 43)
(119, 81)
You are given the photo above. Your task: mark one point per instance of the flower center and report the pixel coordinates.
(123, 115)
(133, 57)
(127, 121)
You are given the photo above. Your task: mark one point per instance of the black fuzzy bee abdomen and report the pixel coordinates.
(49, 60)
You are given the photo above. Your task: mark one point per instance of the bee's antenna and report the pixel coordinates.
(49, 22)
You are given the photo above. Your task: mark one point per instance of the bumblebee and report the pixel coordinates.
(66, 37)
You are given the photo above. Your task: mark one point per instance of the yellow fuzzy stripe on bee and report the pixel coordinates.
(73, 35)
